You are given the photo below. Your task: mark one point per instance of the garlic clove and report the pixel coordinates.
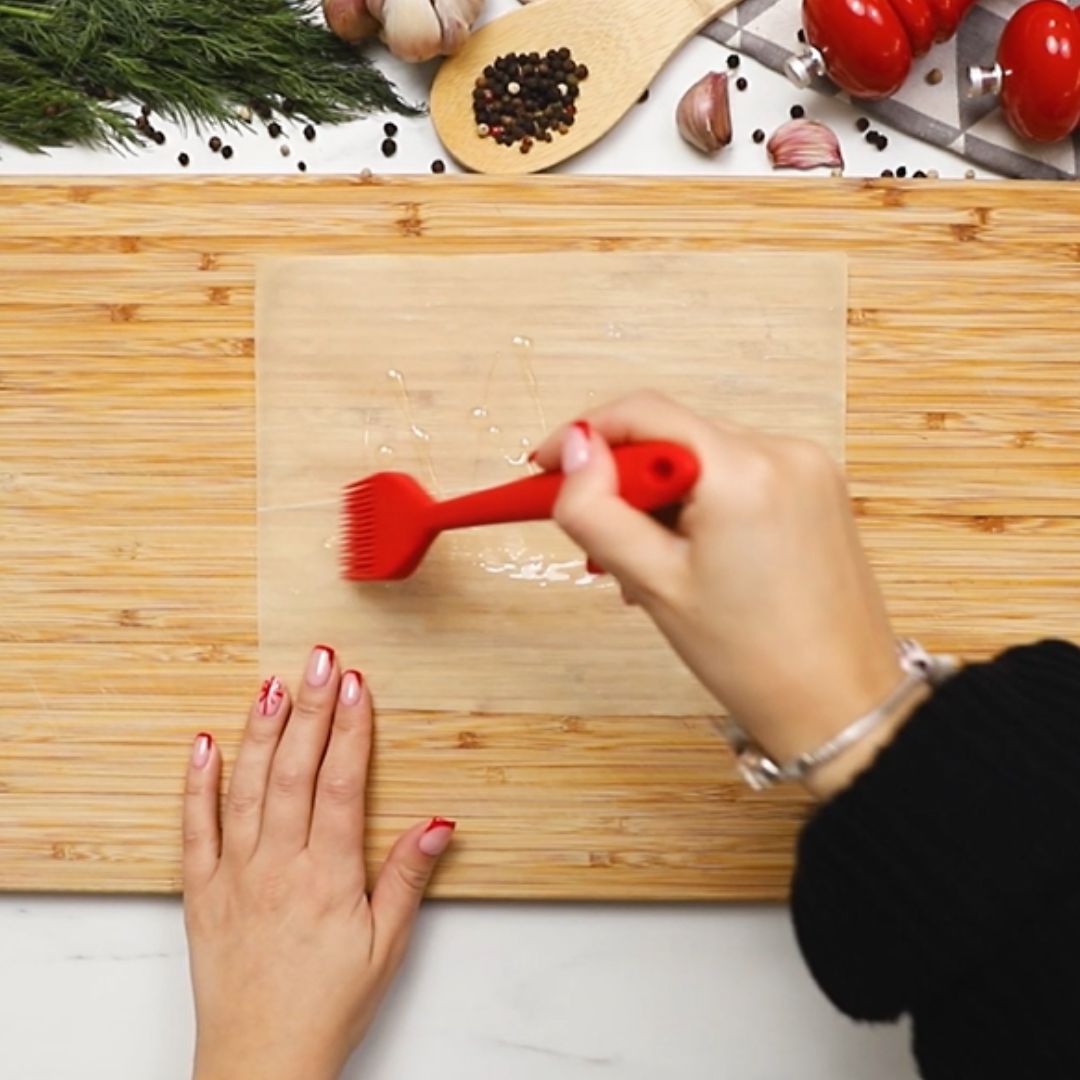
(411, 29)
(417, 30)
(456, 18)
(350, 20)
(703, 114)
(804, 144)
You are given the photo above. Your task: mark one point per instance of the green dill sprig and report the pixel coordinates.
(38, 110)
(65, 65)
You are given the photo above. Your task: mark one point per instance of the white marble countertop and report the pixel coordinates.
(94, 987)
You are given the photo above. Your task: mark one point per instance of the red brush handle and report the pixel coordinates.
(651, 475)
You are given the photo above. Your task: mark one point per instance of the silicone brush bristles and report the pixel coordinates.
(359, 531)
(386, 527)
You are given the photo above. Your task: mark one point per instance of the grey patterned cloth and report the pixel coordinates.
(767, 30)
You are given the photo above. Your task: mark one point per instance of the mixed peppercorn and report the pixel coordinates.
(526, 98)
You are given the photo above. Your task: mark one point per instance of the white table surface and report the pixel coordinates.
(97, 987)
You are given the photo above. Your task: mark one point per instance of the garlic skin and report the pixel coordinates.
(350, 20)
(804, 144)
(418, 30)
(457, 19)
(703, 115)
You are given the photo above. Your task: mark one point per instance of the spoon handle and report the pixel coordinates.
(655, 31)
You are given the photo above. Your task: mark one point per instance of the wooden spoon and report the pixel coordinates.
(624, 43)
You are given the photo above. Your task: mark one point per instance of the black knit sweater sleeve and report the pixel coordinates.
(931, 885)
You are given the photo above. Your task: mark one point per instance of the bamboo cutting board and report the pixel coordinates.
(127, 571)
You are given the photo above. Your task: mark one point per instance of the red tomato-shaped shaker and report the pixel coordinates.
(866, 46)
(1037, 73)
(862, 44)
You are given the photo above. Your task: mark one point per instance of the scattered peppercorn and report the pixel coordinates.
(184, 160)
(862, 123)
(273, 129)
(286, 150)
(226, 152)
(215, 144)
(741, 83)
(871, 136)
(932, 174)
(528, 96)
(887, 173)
(644, 96)
(797, 112)
(438, 166)
(882, 141)
(389, 148)
(733, 61)
(159, 137)
(918, 174)
(302, 166)
(146, 110)
(969, 174)
(389, 129)
(309, 133)
(901, 171)
(758, 136)
(801, 35)
(934, 76)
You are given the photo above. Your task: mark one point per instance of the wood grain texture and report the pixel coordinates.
(127, 497)
(623, 43)
(451, 370)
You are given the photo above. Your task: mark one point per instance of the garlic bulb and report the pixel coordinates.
(350, 19)
(703, 114)
(417, 30)
(804, 144)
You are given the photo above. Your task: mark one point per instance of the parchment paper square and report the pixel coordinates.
(451, 367)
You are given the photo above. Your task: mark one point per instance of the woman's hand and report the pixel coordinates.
(763, 587)
(289, 957)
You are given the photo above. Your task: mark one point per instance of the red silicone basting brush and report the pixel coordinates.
(390, 521)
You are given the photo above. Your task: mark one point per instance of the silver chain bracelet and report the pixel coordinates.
(760, 771)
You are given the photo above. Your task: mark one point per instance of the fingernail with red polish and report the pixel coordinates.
(320, 664)
(351, 684)
(200, 749)
(575, 447)
(435, 839)
(270, 695)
